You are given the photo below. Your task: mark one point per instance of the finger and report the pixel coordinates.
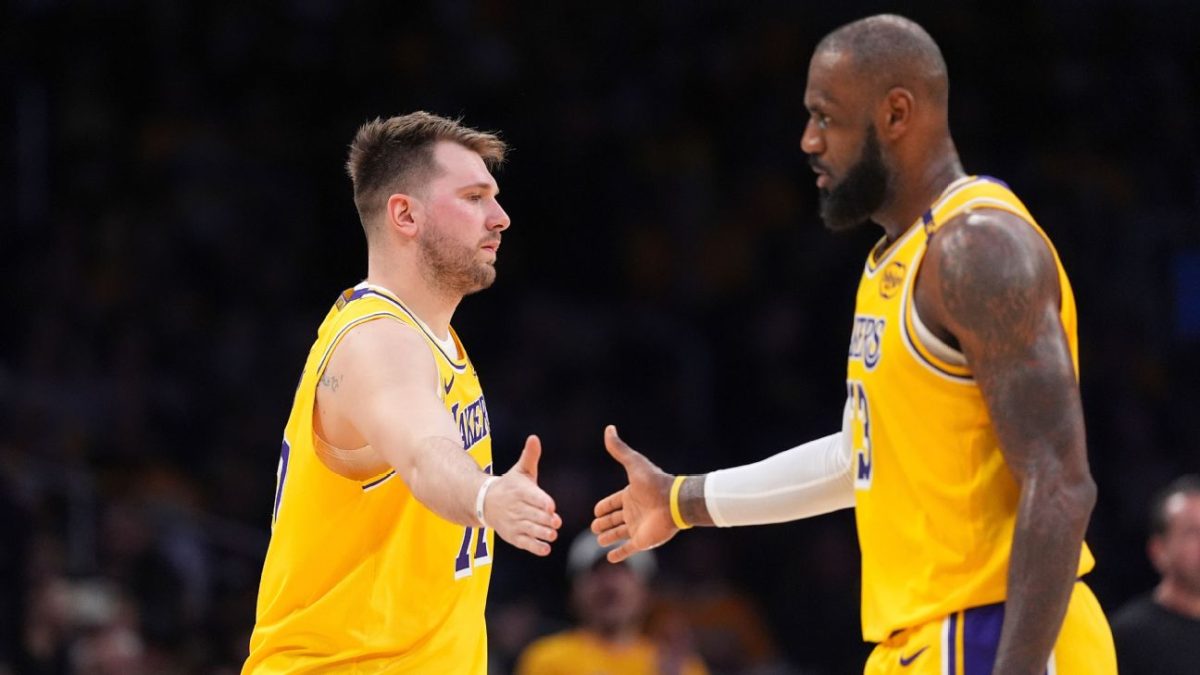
(541, 533)
(608, 522)
(617, 447)
(528, 462)
(537, 516)
(528, 543)
(614, 535)
(622, 552)
(613, 502)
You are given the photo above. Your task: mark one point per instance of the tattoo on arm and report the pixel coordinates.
(331, 381)
(692, 507)
(999, 293)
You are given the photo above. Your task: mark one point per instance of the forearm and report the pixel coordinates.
(1052, 517)
(807, 480)
(445, 479)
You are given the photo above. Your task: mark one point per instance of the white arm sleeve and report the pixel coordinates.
(807, 480)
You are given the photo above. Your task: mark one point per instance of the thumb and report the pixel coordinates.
(617, 447)
(528, 462)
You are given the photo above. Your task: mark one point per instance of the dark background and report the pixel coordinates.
(176, 221)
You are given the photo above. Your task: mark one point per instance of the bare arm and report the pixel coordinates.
(386, 394)
(990, 281)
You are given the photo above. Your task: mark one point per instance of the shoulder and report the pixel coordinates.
(384, 332)
(1136, 615)
(378, 356)
(988, 266)
(990, 244)
(384, 339)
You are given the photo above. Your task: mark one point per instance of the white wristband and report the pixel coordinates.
(479, 497)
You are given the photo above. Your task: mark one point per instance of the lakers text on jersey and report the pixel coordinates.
(935, 503)
(359, 576)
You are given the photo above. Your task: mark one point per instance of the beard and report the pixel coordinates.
(452, 267)
(864, 190)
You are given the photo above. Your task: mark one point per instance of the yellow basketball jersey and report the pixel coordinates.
(577, 652)
(359, 576)
(935, 502)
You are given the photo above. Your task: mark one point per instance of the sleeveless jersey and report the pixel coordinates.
(359, 576)
(935, 503)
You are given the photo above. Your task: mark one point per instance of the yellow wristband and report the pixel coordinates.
(675, 515)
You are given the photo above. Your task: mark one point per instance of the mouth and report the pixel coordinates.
(492, 246)
(822, 176)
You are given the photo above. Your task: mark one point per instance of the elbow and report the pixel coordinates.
(1078, 494)
(1086, 494)
(1066, 493)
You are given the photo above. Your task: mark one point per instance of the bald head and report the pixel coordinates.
(888, 51)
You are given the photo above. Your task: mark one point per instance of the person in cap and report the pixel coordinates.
(610, 603)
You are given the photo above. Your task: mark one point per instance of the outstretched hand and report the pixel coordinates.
(518, 510)
(639, 513)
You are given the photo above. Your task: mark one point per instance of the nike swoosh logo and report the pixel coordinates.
(906, 662)
(449, 383)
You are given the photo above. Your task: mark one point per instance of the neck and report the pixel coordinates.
(1177, 598)
(915, 191)
(405, 281)
(618, 634)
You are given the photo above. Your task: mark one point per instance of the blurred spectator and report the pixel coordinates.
(610, 602)
(730, 630)
(1159, 633)
(86, 626)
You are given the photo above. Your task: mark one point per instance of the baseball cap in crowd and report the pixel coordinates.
(586, 552)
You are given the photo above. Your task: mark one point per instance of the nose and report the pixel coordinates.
(498, 221)
(812, 143)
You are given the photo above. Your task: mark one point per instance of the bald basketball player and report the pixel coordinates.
(962, 447)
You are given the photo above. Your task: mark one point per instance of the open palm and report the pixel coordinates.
(639, 513)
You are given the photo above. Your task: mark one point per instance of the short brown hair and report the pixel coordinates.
(1187, 484)
(396, 155)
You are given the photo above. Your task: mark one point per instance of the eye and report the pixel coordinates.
(822, 121)
(474, 197)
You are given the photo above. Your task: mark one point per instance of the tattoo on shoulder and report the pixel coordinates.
(991, 281)
(331, 381)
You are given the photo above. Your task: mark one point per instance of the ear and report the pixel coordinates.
(896, 113)
(404, 213)
(1156, 549)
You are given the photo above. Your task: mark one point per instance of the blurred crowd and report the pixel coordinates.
(177, 220)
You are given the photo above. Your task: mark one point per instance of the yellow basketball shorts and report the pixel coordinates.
(965, 643)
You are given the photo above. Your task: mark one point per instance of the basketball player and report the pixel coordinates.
(962, 448)
(381, 542)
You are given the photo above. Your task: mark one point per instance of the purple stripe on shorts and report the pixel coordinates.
(981, 638)
(951, 642)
